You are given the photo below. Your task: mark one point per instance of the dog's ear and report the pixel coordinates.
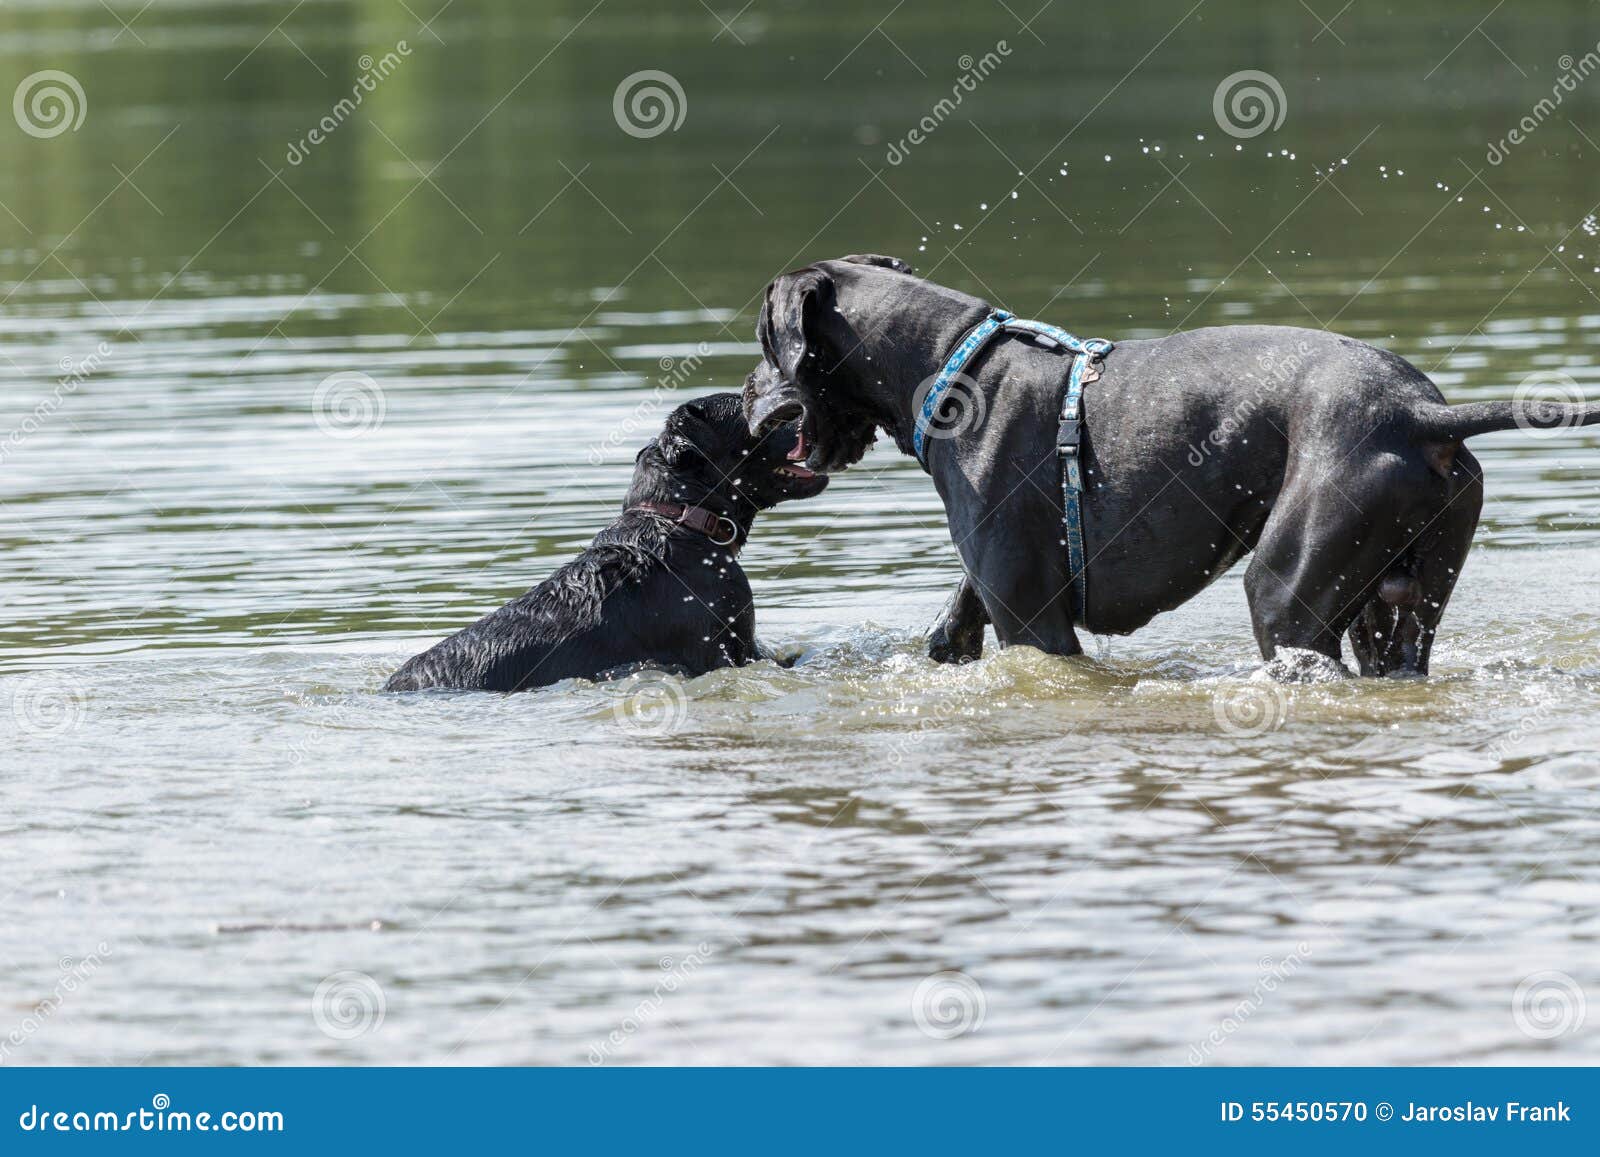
(790, 323)
(679, 450)
(687, 431)
(879, 260)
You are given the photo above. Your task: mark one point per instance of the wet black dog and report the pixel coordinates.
(660, 587)
(1338, 467)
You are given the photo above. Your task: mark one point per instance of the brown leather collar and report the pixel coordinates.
(718, 528)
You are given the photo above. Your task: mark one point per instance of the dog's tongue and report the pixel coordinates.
(798, 454)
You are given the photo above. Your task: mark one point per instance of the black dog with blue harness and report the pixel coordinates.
(1337, 469)
(1086, 355)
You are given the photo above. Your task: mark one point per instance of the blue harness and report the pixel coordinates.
(1069, 434)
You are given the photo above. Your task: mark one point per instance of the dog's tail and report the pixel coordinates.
(1437, 422)
(1440, 429)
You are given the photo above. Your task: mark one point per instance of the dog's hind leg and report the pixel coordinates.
(1375, 545)
(1395, 630)
(1321, 551)
(958, 636)
(1388, 636)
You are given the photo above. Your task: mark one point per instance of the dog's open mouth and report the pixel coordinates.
(771, 402)
(795, 467)
(800, 480)
(794, 459)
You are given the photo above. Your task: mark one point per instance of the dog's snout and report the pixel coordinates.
(781, 416)
(770, 411)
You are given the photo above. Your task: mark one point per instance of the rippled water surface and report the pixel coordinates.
(276, 426)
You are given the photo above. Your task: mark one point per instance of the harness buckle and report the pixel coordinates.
(1068, 434)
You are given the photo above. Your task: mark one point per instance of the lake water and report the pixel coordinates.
(278, 424)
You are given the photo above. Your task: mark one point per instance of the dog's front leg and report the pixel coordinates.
(958, 637)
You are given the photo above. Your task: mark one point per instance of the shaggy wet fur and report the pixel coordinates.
(648, 593)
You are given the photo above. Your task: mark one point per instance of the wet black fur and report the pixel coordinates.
(1337, 467)
(646, 593)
